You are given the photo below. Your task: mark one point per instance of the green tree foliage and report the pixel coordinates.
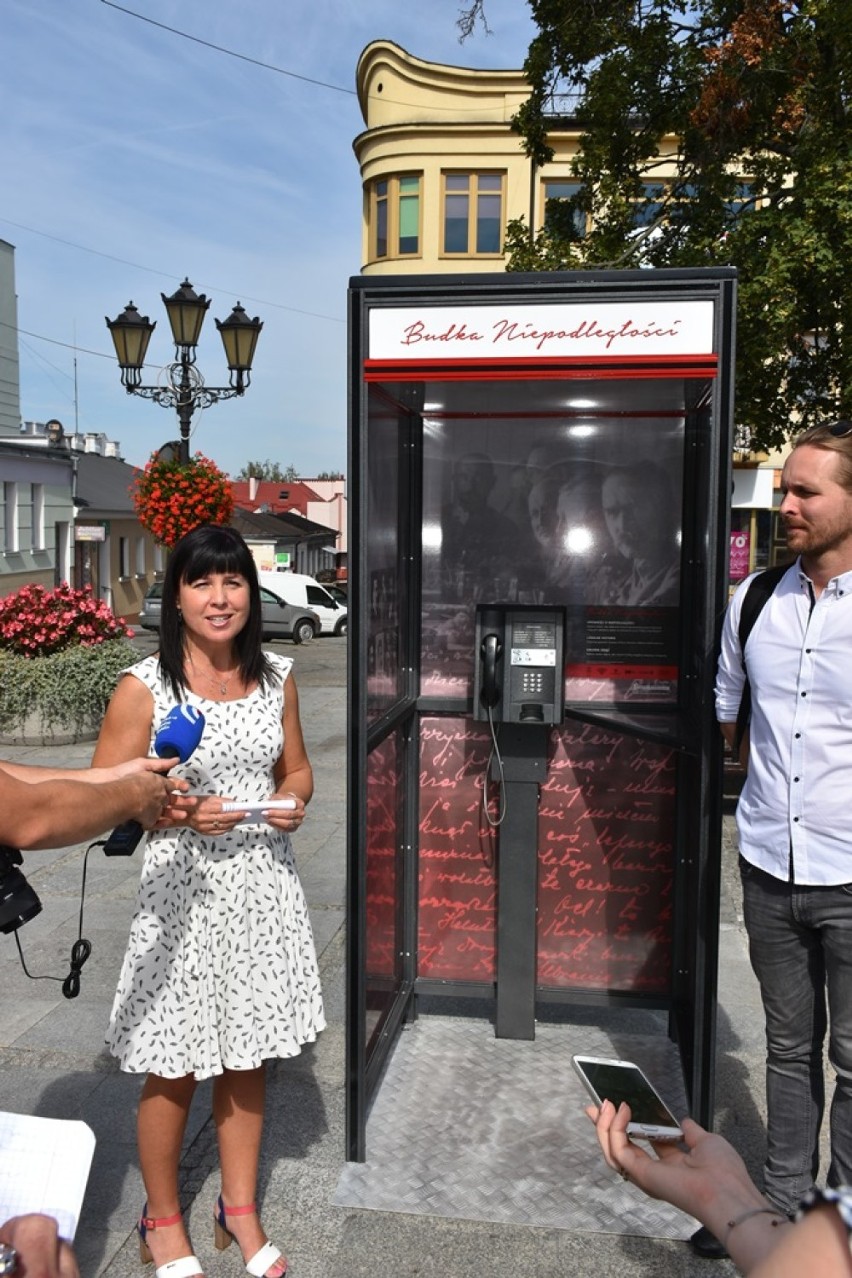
(268, 470)
(753, 100)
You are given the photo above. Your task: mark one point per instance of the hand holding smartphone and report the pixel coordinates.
(619, 1081)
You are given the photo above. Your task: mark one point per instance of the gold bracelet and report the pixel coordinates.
(780, 1219)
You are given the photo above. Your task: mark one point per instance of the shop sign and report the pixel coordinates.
(740, 555)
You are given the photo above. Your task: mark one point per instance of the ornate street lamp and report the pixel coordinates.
(180, 385)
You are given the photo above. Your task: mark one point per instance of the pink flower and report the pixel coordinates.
(37, 622)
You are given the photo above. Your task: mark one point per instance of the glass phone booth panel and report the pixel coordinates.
(577, 502)
(593, 483)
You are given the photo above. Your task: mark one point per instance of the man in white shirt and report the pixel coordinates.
(794, 816)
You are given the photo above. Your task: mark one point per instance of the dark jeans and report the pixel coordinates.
(800, 943)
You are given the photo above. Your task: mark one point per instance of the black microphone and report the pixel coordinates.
(177, 737)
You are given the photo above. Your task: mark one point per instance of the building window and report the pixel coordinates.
(675, 202)
(159, 559)
(473, 214)
(38, 517)
(557, 192)
(124, 556)
(11, 542)
(650, 207)
(742, 200)
(140, 556)
(395, 216)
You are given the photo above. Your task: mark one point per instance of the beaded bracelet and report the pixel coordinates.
(780, 1219)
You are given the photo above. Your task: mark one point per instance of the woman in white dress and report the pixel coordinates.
(220, 972)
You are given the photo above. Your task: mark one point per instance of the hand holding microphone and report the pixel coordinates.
(177, 737)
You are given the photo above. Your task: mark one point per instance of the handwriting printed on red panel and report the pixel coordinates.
(383, 838)
(605, 852)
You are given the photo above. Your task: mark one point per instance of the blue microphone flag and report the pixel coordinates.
(179, 733)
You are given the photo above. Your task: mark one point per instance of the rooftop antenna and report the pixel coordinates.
(76, 405)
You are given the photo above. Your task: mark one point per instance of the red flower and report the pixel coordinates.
(173, 497)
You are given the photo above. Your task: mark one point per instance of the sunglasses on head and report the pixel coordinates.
(839, 429)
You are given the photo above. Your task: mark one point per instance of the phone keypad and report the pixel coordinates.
(532, 683)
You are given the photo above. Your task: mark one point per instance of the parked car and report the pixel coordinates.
(149, 613)
(306, 592)
(280, 619)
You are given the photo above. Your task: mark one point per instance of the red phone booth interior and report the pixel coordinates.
(539, 487)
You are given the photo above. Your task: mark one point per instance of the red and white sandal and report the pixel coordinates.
(185, 1267)
(269, 1255)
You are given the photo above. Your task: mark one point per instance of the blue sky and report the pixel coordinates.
(132, 157)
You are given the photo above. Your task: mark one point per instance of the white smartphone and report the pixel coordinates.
(619, 1081)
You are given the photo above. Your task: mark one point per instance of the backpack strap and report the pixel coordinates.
(761, 587)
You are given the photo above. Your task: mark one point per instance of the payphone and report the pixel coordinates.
(519, 686)
(519, 664)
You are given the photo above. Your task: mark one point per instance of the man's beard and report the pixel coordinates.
(813, 542)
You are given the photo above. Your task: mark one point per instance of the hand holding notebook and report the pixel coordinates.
(44, 1167)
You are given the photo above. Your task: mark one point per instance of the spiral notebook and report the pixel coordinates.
(44, 1167)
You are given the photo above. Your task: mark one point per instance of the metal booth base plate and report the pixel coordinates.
(475, 1127)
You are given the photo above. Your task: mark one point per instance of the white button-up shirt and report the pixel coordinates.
(796, 803)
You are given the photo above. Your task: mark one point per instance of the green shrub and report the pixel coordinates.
(69, 689)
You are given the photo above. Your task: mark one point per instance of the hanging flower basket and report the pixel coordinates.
(173, 497)
(61, 653)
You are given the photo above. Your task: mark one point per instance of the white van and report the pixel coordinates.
(305, 592)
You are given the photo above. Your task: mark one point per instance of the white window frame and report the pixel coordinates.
(37, 529)
(11, 528)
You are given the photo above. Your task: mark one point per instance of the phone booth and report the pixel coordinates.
(539, 493)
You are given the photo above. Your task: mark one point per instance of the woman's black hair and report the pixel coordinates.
(207, 549)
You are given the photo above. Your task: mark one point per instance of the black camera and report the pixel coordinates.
(18, 901)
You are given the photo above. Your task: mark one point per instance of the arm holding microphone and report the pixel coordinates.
(126, 730)
(175, 740)
(52, 807)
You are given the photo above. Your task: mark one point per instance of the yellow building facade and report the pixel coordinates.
(442, 169)
(443, 172)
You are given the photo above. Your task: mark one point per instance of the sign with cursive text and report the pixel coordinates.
(605, 859)
(583, 330)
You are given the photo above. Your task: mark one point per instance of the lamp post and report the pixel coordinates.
(181, 385)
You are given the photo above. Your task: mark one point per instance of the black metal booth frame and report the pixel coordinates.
(484, 367)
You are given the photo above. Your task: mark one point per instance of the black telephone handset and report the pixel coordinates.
(491, 652)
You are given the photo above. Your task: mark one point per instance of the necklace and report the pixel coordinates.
(218, 681)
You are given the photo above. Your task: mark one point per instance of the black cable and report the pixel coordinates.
(80, 950)
(497, 820)
(232, 53)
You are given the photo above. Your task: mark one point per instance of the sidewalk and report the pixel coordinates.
(54, 1063)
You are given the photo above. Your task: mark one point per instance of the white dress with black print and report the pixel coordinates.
(220, 970)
